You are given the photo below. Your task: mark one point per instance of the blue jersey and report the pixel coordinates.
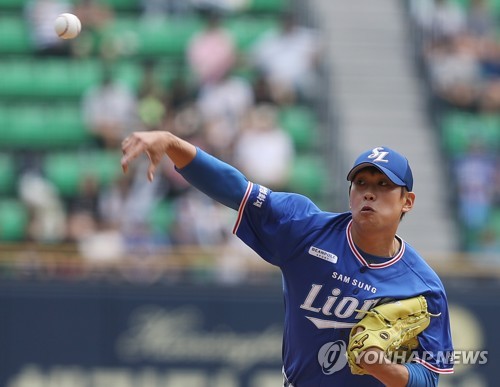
(327, 281)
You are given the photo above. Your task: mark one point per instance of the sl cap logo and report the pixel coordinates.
(378, 155)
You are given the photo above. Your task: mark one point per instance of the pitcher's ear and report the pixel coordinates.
(409, 201)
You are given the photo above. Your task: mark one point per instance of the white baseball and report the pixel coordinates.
(67, 26)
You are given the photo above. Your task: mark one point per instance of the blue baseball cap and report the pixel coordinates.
(393, 164)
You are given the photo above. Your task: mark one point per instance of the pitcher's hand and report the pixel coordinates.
(152, 143)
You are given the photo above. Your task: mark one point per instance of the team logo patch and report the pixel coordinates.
(326, 255)
(261, 197)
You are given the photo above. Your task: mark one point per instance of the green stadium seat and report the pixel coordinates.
(42, 127)
(162, 217)
(459, 129)
(490, 130)
(247, 30)
(15, 78)
(130, 72)
(14, 36)
(487, 238)
(170, 37)
(22, 78)
(62, 78)
(13, 220)
(123, 5)
(300, 122)
(494, 222)
(26, 128)
(4, 118)
(309, 176)
(66, 127)
(127, 6)
(158, 37)
(7, 174)
(455, 131)
(494, 6)
(67, 169)
(462, 3)
(65, 77)
(12, 4)
(116, 5)
(273, 6)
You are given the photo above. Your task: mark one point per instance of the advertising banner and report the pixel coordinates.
(112, 335)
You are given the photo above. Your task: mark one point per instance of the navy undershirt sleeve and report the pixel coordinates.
(215, 178)
(419, 376)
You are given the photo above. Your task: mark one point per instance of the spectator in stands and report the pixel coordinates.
(465, 72)
(223, 105)
(262, 90)
(212, 52)
(438, 19)
(489, 243)
(480, 21)
(289, 59)
(199, 220)
(462, 57)
(263, 150)
(82, 210)
(94, 226)
(125, 210)
(47, 213)
(496, 184)
(111, 202)
(40, 16)
(126, 203)
(488, 51)
(110, 111)
(187, 122)
(227, 99)
(475, 171)
(455, 72)
(222, 98)
(179, 95)
(151, 97)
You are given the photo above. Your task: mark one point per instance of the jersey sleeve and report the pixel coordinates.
(215, 178)
(274, 224)
(419, 376)
(436, 348)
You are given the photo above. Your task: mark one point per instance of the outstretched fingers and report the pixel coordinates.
(132, 147)
(129, 151)
(153, 162)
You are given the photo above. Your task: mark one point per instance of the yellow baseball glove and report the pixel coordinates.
(391, 327)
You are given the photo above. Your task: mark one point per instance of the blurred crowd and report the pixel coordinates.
(459, 53)
(234, 117)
